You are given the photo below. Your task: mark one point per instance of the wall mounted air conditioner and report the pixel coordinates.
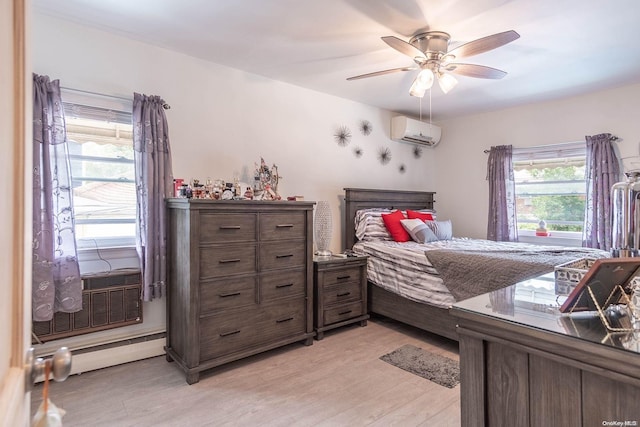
(405, 129)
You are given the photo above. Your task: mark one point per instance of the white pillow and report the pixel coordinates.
(442, 229)
(418, 230)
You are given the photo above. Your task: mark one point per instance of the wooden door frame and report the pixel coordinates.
(14, 402)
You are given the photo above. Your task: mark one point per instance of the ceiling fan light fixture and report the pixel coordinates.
(446, 82)
(417, 90)
(425, 78)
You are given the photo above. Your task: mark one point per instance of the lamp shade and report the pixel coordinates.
(322, 228)
(447, 82)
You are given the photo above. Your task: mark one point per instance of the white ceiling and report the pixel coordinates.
(567, 47)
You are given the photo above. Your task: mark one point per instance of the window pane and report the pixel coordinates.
(553, 192)
(103, 174)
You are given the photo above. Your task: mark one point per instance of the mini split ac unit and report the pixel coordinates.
(405, 129)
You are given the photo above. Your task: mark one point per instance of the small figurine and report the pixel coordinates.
(542, 229)
(248, 194)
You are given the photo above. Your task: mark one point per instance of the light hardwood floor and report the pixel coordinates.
(338, 381)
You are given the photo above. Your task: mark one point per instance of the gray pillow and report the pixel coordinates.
(418, 230)
(442, 229)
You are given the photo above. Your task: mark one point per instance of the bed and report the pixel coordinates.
(430, 309)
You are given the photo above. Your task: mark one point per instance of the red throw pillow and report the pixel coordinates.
(393, 224)
(419, 215)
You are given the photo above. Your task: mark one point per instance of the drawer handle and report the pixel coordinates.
(344, 312)
(226, 334)
(229, 227)
(284, 286)
(284, 256)
(229, 295)
(344, 277)
(288, 319)
(227, 261)
(284, 226)
(344, 294)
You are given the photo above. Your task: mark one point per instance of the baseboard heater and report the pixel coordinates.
(109, 300)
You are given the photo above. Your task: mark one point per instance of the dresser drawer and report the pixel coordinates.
(343, 312)
(282, 320)
(338, 294)
(226, 294)
(280, 226)
(342, 275)
(282, 255)
(216, 228)
(282, 284)
(223, 261)
(224, 334)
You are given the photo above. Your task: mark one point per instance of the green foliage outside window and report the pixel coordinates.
(553, 194)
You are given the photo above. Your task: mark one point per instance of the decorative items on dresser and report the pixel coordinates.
(340, 292)
(240, 279)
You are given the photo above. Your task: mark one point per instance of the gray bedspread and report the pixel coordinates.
(468, 273)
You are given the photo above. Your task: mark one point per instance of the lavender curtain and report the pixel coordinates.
(154, 182)
(502, 207)
(56, 281)
(601, 172)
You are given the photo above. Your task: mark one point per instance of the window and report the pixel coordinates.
(100, 144)
(550, 186)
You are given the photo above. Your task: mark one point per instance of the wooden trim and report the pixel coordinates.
(21, 146)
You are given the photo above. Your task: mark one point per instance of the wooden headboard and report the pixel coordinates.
(364, 198)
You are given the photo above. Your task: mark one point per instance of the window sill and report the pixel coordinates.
(103, 260)
(552, 239)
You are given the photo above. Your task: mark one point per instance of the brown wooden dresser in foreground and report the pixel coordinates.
(340, 292)
(240, 280)
(523, 363)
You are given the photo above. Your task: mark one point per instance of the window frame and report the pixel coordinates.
(542, 153)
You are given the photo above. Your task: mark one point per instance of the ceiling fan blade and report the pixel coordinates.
(485, 44)
(380, 73)
(404, 47)
(473, 70)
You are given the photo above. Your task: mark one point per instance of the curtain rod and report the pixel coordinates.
(611, 138)
(88, 92)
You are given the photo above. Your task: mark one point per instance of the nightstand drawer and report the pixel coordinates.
(342, 312)
(279, 226)
(349, 274)
(339, 294)
(223, 261)
(282, 255)
(282, 284)
(216, 228)
(227, 294)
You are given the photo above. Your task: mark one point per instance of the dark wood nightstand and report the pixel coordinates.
(340, 291)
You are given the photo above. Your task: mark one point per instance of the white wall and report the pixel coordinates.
(463, 192)
(223, 120)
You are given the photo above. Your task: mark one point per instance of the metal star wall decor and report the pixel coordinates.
(384, 155)
(358, 152)
(366, 127)
(343, 136)
(402, 168)
(417, 151)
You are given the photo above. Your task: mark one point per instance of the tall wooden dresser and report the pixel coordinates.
(240, 280)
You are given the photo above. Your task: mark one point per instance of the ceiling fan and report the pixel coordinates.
(430, 52)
